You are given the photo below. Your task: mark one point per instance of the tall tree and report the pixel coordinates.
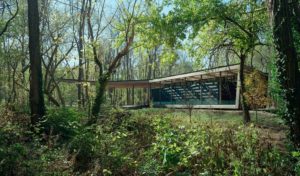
(127, 34)
(36, 96)
(215, 26)
(80, 48)
(284, 13)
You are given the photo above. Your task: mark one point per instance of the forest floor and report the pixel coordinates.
(270, 126)
(150, 141)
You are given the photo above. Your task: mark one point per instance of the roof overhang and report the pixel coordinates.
(210, 73)
(200, 75)
(129, 84)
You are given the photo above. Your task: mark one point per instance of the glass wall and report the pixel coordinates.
(217, 91)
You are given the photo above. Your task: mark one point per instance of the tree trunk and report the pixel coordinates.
(100, 90)
(149, 64)
(86, 87)
(245, 107)
(13, 93)
(59, 93)
(287, 65)
(127, 78)
(80, 54)
(36, 96)
(52, 99)
(103, 78)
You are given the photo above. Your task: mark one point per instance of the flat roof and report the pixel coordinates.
(116, 84)
(223, 71)
(129, 84)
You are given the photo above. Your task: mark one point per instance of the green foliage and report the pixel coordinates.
(143, 142)
(296, 155)
(84, 153)
(212, 150)
(64, 122)
(12, 152)
(23, 153)
(168, 56)
(216, 29)
(274, 88)
(112, 145)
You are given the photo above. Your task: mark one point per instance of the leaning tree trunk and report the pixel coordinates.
(287, 65)
(245, 107)
(36, 96)
(104, 78)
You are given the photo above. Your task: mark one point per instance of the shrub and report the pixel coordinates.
(84, 147)
(140, 144)
(64, 122)
(22, 152)
(16, 156)
(212, 150)
(296, 155)
(115, 146)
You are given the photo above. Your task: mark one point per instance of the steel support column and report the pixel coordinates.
(220, 88)
(132, 96)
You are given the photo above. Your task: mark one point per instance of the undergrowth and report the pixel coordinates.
(145, 142)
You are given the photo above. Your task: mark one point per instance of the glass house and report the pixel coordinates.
(215, 88)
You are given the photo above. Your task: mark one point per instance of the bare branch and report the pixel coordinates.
(8, 22)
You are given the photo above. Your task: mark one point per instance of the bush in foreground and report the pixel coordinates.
(141, 143)
(169, 148)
